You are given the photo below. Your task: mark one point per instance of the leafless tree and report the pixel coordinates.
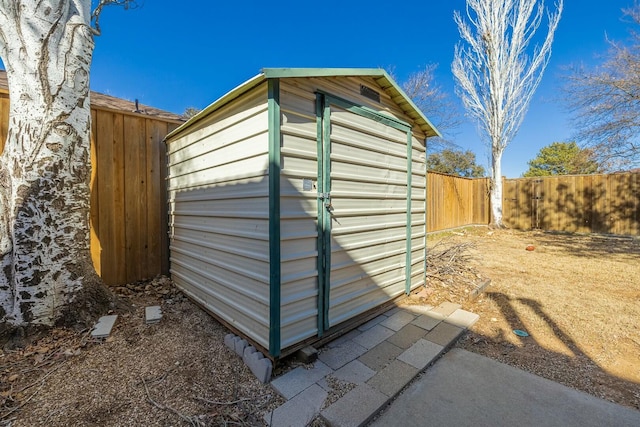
(605, 101)
(45, 263)
(495, 74)
(435, 103)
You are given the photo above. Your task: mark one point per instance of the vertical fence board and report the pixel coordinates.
(95, 206)
(602, 205)
(509, 209)
(154, 222)
(455, 201)
(635, 203)
(118, 210)
(103, 124)
(581, 203)
(128, 202)
(587, 203)
(548, 205)
(105, 139)
(135, 197)
(523, 204)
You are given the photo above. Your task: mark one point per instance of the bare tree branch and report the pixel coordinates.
(435, 103)
(97, 11)
(605, 101)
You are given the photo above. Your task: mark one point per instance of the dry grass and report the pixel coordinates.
(177, 372)
(577, 296)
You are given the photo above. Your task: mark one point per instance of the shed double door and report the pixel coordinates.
(364, 204)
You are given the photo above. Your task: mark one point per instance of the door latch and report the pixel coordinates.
(326, 197)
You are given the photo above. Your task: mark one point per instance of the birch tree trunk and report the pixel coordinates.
(495, 195)
(45, 263)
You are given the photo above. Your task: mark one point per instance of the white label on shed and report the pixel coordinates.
(307, 184)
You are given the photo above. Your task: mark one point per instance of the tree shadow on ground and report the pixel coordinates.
(571, 367)
(591, 245)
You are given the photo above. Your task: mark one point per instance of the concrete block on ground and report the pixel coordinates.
(462, 318)
(235, 340)
(230, 341)
(393, 378)
(428, 321)
(354, 372)
(250, 353)
(307, 354)
(444, 334)
(325, 385)
(355, 408)
(398, 320)
(380, 356)
(417, 309)
(479, 289)
(300, 410)
(241, 344)
(261, 368)
(391, 311)
(371, 323)
(102, 328)
(446, 308)
(407, 336)
(299, 379)
(152, 314)
(421, 354)
(337, 357)
(344, 338)
(373, 336)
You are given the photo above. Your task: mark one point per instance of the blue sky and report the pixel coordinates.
(173, 55)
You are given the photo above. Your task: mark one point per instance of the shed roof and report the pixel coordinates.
(106, 102)
(378, 74)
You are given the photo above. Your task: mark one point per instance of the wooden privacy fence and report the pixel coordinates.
(129, 239)
(453, 201)
(129, 209)
(576, 203)
(572, 203)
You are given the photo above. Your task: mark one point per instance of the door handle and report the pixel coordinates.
(326, 197)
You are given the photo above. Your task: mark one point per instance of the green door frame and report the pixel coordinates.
(324, 101)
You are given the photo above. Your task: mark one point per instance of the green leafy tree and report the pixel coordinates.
(454, 162)
(563, 158)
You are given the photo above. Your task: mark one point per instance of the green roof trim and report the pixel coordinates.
(381, 77)
(283, 73)
(225, 99)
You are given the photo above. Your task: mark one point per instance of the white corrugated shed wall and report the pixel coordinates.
(418, 211)
(368, 192)
(219, 213)
(368, 254)
(298, 213)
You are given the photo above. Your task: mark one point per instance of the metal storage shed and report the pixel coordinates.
(297, 203)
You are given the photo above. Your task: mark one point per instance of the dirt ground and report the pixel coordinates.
(176, 372)
(577, 297)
